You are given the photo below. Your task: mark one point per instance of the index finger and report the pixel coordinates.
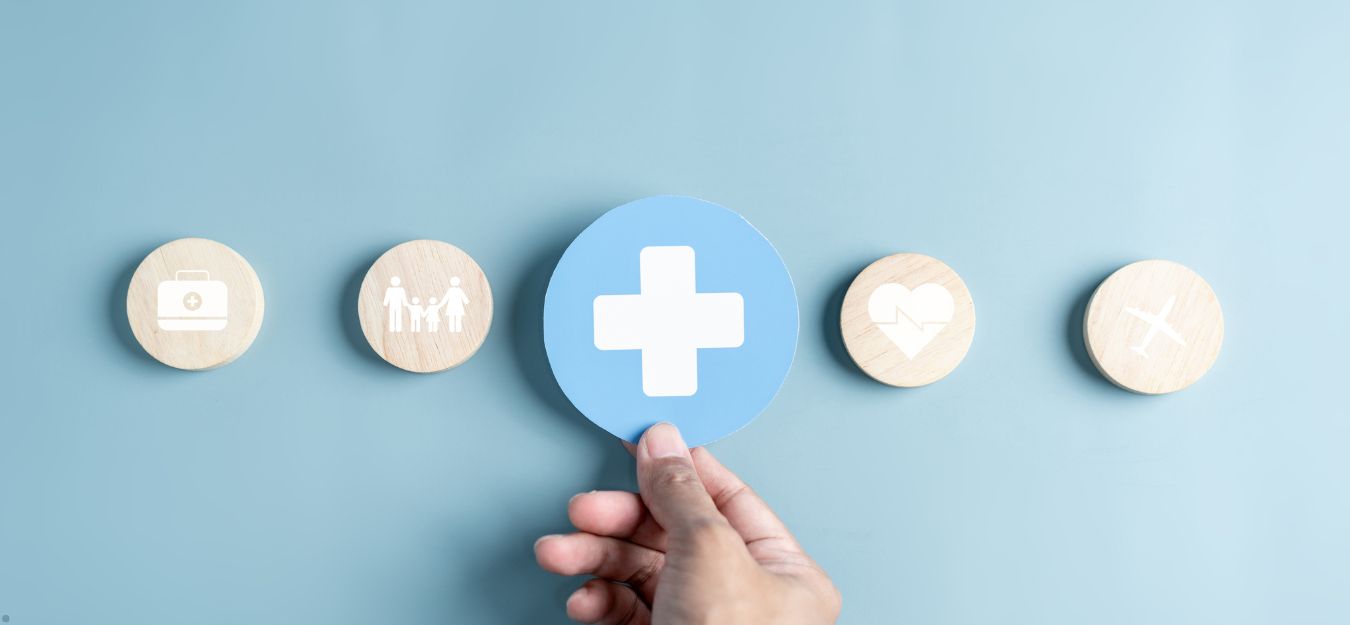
(619, 514)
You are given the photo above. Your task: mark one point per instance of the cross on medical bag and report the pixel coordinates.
(192, 304)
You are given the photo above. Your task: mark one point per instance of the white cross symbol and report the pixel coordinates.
(669, 321)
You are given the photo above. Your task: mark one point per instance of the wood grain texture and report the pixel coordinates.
(425, 269)
(1111, 331)
(185, 348)
(880, 354)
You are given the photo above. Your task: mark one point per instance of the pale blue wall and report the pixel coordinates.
(1034, 146)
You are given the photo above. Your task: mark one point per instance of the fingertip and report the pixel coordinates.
(662, 440)
(608, 513)
(589, 603)
(583, 508)
(579, 595)
(555, 555)
(541, 539)
(578, 497)
(539, 546)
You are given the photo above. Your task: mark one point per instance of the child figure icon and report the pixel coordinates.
(416, 311)
(425, 317)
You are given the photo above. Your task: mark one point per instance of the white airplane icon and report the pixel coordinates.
(1157, 323)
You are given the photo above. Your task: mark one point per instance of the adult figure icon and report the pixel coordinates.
(454, 301)
(395, 298)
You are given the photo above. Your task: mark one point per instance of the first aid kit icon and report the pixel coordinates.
(192, 304)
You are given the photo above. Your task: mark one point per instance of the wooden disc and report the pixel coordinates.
(1153, 327)
(907, 320)
(195, 304)
(425, 306)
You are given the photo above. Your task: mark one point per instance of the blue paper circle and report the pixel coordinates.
(734, 384)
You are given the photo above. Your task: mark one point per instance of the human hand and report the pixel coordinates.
(696, 547)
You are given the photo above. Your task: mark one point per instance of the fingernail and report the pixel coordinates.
(574, 497)
(663, 441)
(579, 594)
(544, 538)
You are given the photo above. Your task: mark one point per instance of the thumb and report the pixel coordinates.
(670, 484)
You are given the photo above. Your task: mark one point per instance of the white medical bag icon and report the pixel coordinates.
(192, 304)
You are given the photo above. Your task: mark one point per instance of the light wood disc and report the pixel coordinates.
(1153, 327)
(907, 320)
(425, 306)
(195, 304)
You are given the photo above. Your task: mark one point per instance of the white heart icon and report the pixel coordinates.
(911, 319)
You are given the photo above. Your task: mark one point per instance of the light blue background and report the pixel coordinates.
(1033, 146)
(730, 256)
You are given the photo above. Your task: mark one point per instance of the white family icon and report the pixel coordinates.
(1156, 323)
(669, 320)
(452, 304)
